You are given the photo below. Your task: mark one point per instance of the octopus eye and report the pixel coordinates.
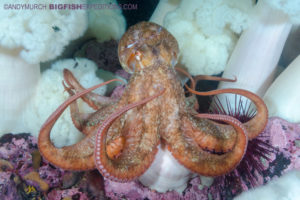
(131, 62)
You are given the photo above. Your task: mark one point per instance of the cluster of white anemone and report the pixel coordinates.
(30, 37)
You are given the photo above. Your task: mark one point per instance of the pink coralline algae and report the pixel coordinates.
(25, 175)
(122, 73)
(73, 193)
(117, 92)
(26, 169)
(8, 187)
(282, 135)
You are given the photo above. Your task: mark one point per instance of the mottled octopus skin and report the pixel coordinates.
(122, 137)
(80, 155)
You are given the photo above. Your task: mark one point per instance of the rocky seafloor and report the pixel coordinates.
(24, 174)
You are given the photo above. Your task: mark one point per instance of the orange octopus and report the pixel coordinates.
(122, 136)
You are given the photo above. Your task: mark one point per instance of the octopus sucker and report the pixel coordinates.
(106, 165)
(208, 164)
(153, 126)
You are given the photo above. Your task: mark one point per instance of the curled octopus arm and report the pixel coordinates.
(200, 161)
(79, 119)
(197, 78)
(192, 99)
(209, 135)
(75, 157)
(114, 159)
(94, 100)
(258, 123)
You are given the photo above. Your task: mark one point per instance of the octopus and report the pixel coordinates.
(122, 136)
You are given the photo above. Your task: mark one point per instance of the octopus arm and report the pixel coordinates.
(79, 119)
(192, 100)
(94, 100)
(75, 157)
(197, 78)
(257, 124)
(207, 163)
(208, 135)
(138, 151)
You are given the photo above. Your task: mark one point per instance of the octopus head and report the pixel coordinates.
(146, 44)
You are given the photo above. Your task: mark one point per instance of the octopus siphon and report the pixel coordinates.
(123, 136)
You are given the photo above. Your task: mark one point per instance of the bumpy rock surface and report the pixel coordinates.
(24, 174)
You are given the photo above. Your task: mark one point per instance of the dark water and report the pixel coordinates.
(143, 12)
